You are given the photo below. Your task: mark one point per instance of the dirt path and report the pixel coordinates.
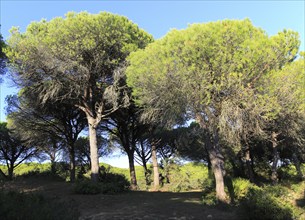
(130, 205)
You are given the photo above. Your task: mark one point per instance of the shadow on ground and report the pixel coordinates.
(131, 205)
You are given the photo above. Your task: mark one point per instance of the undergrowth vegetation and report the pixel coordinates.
(282, 201)
(16, 206)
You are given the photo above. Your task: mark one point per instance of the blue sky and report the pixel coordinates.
(157, 17)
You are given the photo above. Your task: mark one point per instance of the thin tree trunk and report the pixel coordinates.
(146, 173)
(249, 164)
(53, 166)
(132, 171)
(297, 166)
(72, 163)
(10, 171)
(155, 167)
(93, 150)
(275, 155)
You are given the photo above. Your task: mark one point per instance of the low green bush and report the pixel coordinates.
(209, 198)
(241, 187)
(87, 187)
(190, 176)
(259, 204)
(16, 206)
(110, 183)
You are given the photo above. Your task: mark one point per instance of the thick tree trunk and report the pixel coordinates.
(275, 155)
(249, 165)
(72, 163)
(155, 167)
(93, 150)
(216, 159)
(218, 170)
(297, 166)
(132, 171)
(217, 162)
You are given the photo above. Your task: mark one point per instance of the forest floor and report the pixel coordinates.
(129, 205)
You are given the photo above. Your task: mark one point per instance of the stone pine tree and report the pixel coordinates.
(13, 150)
(48, 125)
(74, 59)
(285, 93)
(199, 73)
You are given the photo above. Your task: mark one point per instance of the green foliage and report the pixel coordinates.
(110, 184)
(241, 188)
(191, 176)
(209, 198)
(269, 203)
(16, 206)
(87, 187)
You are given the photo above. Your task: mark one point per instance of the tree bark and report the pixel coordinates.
(72, 163)
(155, 166)
(146, 173)
(218, 169)
(297, 166)
(249, 165)
(132, 171)
(10, 171)
(216, 158)
(53, 165)
(275, 155)
(93, 149)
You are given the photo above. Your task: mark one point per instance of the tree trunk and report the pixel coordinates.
(215, 157)
(217, 162)
(249, 165)
(155, 167)
(218, 170)
(53, 166)
(297, 166)
(93, 149)
(72, 163)
(132, 171)
(146, 173)
(2, 174)
(10, 171)
(275, 155)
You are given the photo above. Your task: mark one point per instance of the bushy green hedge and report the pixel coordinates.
(17, 206)
(241, 187)
(259, 204)
(110, 184)
(191, 176)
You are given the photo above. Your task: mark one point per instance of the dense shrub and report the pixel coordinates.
(259, 204)
(241, 187)
(191, 176)
(87, 187)
(16, 206)
(110, 184)
(209, 198)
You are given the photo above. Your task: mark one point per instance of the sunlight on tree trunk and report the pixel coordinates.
(93, 151)
(155, 166)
